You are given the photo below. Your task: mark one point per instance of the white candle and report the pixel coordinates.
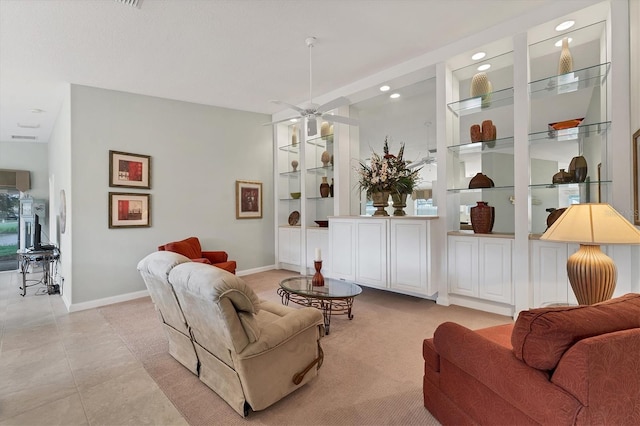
(318, 257)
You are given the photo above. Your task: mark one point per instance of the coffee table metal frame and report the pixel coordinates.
(320, 298)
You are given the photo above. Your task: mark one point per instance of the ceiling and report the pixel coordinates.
(237, 54)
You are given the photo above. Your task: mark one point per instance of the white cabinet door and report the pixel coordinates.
(463, 265)
(494, 270)
(342, 249)
(549, 273)
(318, 238)
(289, 245)
(410, 256)
(371, 252)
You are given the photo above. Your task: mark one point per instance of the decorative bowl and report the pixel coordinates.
(295, 195)
(322, 223)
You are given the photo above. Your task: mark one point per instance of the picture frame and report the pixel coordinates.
(129, 210)
(248, 199)
(635, 142)
(127, 170)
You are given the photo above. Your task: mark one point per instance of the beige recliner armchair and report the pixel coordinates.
(251, 352)
(155, 273)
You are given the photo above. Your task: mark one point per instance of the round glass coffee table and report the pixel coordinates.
(334, 298)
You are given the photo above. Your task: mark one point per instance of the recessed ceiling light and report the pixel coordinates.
(294, 120)
(484, 67)
(384, 88)
(565, 25)
(477, 56)
(37, 110)
(559, 42)
(394, 95)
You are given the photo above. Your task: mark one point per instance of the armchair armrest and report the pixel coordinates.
(215, 256)
(497, 368)
(283, 329)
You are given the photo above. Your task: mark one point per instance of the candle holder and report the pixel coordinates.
(318, 279)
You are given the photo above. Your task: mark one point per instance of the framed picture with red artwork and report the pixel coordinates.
(129, 210)
(128, 170)
(248, 199)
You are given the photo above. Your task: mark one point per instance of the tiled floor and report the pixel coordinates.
(58, 368)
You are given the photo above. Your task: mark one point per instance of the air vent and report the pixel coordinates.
(134, 3)
(24, 138)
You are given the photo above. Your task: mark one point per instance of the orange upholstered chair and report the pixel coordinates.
(191, 248)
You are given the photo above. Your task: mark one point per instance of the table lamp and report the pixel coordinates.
(592, 273)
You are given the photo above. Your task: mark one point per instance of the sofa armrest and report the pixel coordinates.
(215, 256)
(496, 367)
(283, 329)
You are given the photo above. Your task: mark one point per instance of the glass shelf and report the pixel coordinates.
(290, 148)
(472, 190)
(563, 135)
(320, 170)
(321, 140)
(289, 199)
(319, 198)
(570, 82)
(291, 175)
(561, 185)
(498, 99)
(502, 145)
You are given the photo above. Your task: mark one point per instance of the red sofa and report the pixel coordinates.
(561, 366)
(190, 247)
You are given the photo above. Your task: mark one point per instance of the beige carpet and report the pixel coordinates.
(372, 373)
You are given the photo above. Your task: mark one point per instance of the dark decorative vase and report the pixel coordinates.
(380, 202)
(331, 188)
(480, 181)
(399, 203)
(482, 217)
(562, 177)
(578, 168)
(554, 214)
(324, 188)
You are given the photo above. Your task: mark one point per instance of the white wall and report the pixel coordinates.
(197, 153)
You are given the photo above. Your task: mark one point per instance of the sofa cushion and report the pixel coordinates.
(184, 248)
(541, 336)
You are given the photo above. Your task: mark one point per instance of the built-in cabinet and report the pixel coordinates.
(385, 253)
(528, 94)
(289, 247)
(481, 268)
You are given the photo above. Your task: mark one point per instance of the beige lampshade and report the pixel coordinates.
(592, 223)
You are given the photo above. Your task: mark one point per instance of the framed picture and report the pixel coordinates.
(248, 200)
(128, 210)
(129, 170)
(635, 141)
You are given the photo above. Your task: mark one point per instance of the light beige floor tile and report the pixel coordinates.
(133, 398)
(27, 337)
(92, 365)
(64, 412)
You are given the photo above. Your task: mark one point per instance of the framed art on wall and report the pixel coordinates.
(248, 199)
(635, 141)
(128, 170)
(128, 210)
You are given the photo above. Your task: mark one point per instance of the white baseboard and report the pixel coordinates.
(106, 301)
(255, 270)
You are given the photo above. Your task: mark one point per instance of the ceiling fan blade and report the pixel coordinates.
(337, 102)
(340, 119)
(281, 121)
(294, 107)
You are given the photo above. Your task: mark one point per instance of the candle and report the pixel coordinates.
(318, 257)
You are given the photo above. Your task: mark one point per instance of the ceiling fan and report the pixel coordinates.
(314, 111)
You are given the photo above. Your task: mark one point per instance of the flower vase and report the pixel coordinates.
(482, 217)
(380, 202)
(399, 203)
(324, 188)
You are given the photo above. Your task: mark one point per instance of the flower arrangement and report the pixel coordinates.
(387, 173)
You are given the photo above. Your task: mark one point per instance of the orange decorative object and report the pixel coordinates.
(567, 124)
(191, 248)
